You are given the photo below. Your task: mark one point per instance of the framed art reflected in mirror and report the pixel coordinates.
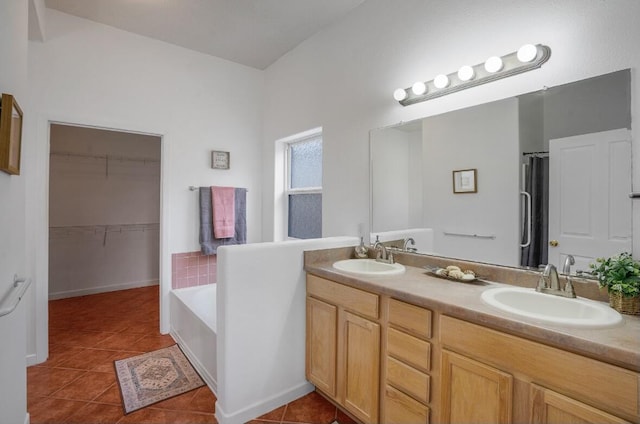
(465, 181)
(10, 134)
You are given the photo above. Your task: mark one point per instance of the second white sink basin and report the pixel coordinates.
(368, 267)
(577, 312)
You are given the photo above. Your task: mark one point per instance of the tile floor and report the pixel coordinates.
(77, 384)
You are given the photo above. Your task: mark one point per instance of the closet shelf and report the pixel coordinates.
(105, 157)
(87, 230)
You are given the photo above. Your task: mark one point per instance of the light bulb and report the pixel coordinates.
(441, 81)
(419, 88)
(527, 53)
(466, 73)
(493, 64)
(400, 94)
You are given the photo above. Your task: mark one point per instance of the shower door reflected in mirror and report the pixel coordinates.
(411, 185)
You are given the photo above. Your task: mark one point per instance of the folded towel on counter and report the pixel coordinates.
(223, 201)
(208, 244)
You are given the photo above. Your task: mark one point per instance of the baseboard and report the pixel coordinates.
(208, 378)
(32, 359)
(262, 407)
(102, 289)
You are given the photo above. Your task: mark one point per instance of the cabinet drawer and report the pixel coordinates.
(408, 379)
(401, 409)
(358, 301)
(414, 319)
(409, 349)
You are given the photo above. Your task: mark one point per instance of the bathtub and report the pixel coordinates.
(193, 326)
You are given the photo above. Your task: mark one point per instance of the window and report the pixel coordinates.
(304, 187)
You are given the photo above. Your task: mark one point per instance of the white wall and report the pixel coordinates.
(13, 71)
(390, 199)
(451, 143)
(261, 326)
(91, 74)
(348, 72)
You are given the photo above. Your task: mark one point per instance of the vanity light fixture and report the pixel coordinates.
(493, 64)
(400, 94)
(465, 73)
(441, 81)
(419, 88)
(527, 58)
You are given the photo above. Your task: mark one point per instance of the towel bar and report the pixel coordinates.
(10, 302)
(194, 188)
(447, 233)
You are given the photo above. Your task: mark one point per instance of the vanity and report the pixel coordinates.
(414, 348)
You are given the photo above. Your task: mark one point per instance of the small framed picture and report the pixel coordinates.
(10, 134)
(465, 181)
(220, 160)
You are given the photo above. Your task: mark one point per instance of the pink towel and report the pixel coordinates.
(224, 220)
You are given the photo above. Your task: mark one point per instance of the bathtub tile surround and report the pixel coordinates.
(192, 269)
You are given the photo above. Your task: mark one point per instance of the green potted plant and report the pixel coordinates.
(620, 274)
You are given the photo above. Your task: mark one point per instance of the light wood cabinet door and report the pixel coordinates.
(359, 369)
(322, 325)
(549, 407)
(473, 392)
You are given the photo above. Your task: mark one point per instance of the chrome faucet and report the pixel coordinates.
(568, 261)
(383, 254)
(408, 241)
(549, 283)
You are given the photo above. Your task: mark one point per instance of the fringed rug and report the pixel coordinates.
(155, 376)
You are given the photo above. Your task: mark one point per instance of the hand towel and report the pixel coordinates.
(223, 201)
(209, 245)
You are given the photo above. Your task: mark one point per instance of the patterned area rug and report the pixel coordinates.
(151, 377)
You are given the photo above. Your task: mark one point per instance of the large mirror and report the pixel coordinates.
(544, 175)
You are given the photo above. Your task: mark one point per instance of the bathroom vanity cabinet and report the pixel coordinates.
(343, 346)
(388, 360)
(517, 379)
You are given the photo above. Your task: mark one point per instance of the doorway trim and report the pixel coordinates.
(38, 201)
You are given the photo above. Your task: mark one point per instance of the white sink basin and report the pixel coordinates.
(578, 312)
(368, 267)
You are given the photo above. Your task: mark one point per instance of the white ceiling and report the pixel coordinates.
(251, 32)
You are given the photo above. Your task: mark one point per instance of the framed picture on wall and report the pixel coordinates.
(220, 160)
(10, 134)
(465, 181)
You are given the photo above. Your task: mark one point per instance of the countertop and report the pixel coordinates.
(619, 345)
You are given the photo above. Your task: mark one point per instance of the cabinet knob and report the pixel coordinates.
(553, 243)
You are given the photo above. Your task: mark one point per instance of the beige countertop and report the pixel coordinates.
(619, 345)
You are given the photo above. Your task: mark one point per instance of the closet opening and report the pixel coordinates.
(104, 244)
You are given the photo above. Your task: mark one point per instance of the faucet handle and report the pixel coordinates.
(542, 283)
(568, 288)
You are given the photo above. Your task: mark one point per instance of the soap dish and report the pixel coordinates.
(442, 273)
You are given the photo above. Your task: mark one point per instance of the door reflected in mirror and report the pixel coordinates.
(555, 166)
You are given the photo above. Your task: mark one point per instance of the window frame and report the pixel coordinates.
(287, 177)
